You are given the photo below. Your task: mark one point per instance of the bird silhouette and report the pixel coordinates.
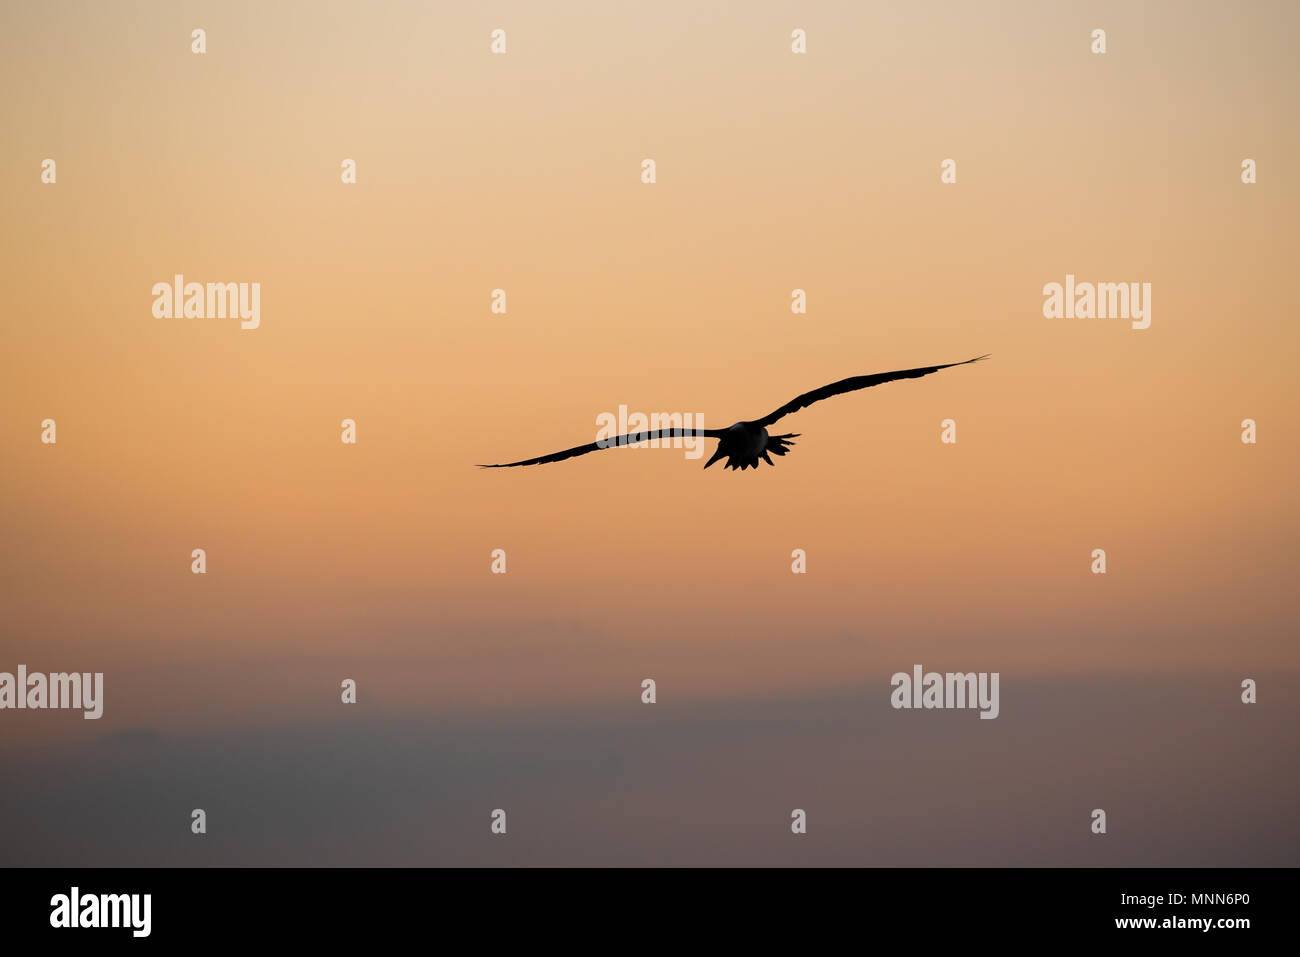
(744, 443)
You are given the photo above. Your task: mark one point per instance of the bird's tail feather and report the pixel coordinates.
(780, 444)
(776, 445)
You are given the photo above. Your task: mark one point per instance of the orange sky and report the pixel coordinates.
(522, 172)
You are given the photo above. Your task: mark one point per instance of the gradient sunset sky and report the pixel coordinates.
(522, 172)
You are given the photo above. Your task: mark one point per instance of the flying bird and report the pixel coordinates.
(744, 443)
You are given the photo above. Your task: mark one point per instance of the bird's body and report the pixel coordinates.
(744, 444)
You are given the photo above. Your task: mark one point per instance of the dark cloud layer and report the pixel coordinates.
(1187, 774)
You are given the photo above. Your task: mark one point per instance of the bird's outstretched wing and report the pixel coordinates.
(632, 438)
(852, 385)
